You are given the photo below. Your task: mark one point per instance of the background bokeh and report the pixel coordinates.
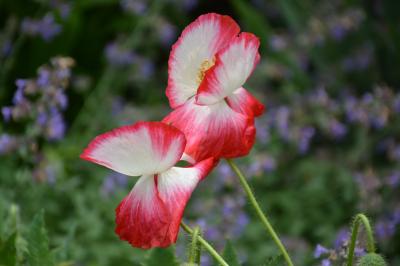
(327, 147)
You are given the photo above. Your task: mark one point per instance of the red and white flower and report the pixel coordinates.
(208, 66)
(150, 215)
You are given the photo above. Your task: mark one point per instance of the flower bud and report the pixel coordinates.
(372, 259)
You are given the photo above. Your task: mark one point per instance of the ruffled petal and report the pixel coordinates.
(213, 131)
(150, 215)
(144, 148)
(198, 43)
(233, 66)
(244, 102)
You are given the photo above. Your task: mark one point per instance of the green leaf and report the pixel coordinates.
(8, 251)
(275, 261)
(38, 244)
(230, 254)
(162, 256)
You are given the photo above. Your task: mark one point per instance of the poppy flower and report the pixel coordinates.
(207, 68)
(151, 213)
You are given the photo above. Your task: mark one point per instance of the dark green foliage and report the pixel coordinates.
(39, 253)
(8, 251)
(161, 256)
(230, 255)
(275, 261)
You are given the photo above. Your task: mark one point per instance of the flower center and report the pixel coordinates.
(206, 65)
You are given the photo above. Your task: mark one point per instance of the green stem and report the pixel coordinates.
(360, 218)
(194, 251)
(259, 212)
(206, 245)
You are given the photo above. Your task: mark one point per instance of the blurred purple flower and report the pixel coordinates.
(306, 134)
(326, 262)
(189, 4)
(61, 99)
(241, 221)
(341, 237)
(112, 182)
(319, 251)
(43, 78)
(319, 96)
(393, 179)
(46, 27)
(282, 121)
(396, 103)
(146, 68)
(7, 113)
(41, 119)
(119, 56)
(19, 93)
(337, 129)
(137, 7)
(278, 42)
(167, 33)
(337, 31)
(7, 143)
(385, 229)
(55, 126)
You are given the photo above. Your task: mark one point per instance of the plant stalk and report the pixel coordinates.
(360, 218)
(206, 245)
(259, 212)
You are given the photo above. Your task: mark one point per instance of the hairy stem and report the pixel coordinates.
(206, 245)
(260, 213)
(194, 250)
(360, 219)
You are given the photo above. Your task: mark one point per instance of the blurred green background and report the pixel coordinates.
(327, 147)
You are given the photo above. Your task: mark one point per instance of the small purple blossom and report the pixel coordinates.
(7, 143)
(137, 7)
(337, 129)
(6, 111)
(326, 262)
(319, 251)
(306, 134)
(46, 27)
(19, 93)
(44, 77)
(167, 33)
(396, 103)
(282, 121)
(41, 119)
(385, 229)
(119, 56)
(341, 237)
(55, 126)
(338, 32)
(61, 99)
(278, 42)
(189, 4)
(393, 179)
(112, 182)
(146, 68)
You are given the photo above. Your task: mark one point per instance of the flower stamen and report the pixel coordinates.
(206, 65)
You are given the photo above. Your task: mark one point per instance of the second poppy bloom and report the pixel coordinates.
(151, 214)
(208, 66)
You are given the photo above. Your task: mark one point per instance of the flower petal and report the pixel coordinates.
(244, 102)
(233, 66)
(213, 131)
(150, 215)
(199, 42)
(144, 148)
